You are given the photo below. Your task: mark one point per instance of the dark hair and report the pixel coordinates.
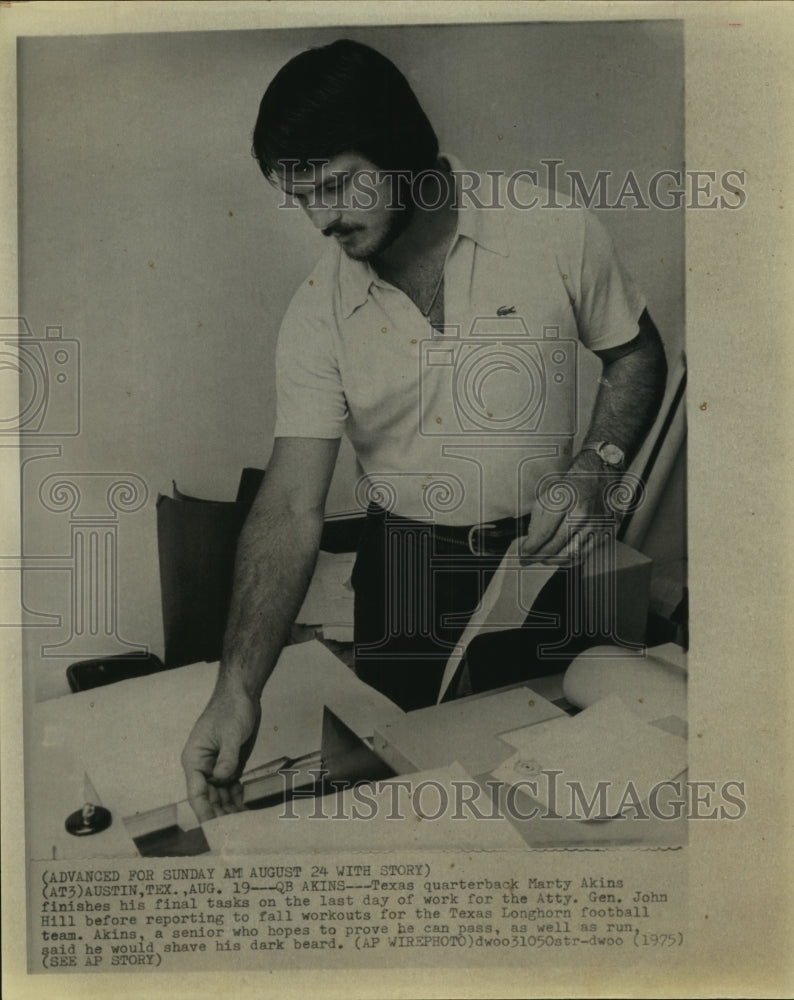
(340, 98)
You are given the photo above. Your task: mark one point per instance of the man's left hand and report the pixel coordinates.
(569, 512)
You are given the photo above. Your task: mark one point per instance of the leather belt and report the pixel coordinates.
(488, 538)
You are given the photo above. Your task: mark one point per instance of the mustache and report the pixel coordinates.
(338, 229)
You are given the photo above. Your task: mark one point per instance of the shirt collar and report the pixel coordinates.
(355, 279)
(482, 225)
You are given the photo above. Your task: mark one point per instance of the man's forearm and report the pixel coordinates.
(630, 392)
(275, 559)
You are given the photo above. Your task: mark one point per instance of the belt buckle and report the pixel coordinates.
(470, 539)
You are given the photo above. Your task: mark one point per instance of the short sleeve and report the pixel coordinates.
(310, 400)
(609, 304)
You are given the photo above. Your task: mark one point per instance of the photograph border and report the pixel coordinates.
(738, 85)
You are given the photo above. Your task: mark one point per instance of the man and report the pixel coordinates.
(440, 336)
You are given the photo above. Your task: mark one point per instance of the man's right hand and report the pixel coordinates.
(217, 750)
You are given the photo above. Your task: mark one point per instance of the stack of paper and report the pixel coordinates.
(609, 753)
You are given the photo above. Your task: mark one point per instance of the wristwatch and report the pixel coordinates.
(610, 454)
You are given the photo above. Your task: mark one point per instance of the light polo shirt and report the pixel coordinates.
(458, 426)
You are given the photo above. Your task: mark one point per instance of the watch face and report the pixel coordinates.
(611, 454)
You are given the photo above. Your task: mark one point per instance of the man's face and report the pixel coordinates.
(349, 199)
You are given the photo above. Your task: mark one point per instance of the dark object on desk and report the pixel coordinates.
(197, 541)
(347, 758)
(172, 842)
(89, 674)
(88, 820)
(673, 629)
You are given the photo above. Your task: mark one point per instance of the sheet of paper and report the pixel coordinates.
(338, 633)
(329, 599)
(505, 604)
(392, 818)
(467, 730)
(605, 743)
(128, 736)
(524, 738)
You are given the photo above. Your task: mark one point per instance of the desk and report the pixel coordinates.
(119, 746)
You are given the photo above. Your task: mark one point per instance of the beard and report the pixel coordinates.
(397, 222)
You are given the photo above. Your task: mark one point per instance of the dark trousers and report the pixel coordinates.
(415, 590)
